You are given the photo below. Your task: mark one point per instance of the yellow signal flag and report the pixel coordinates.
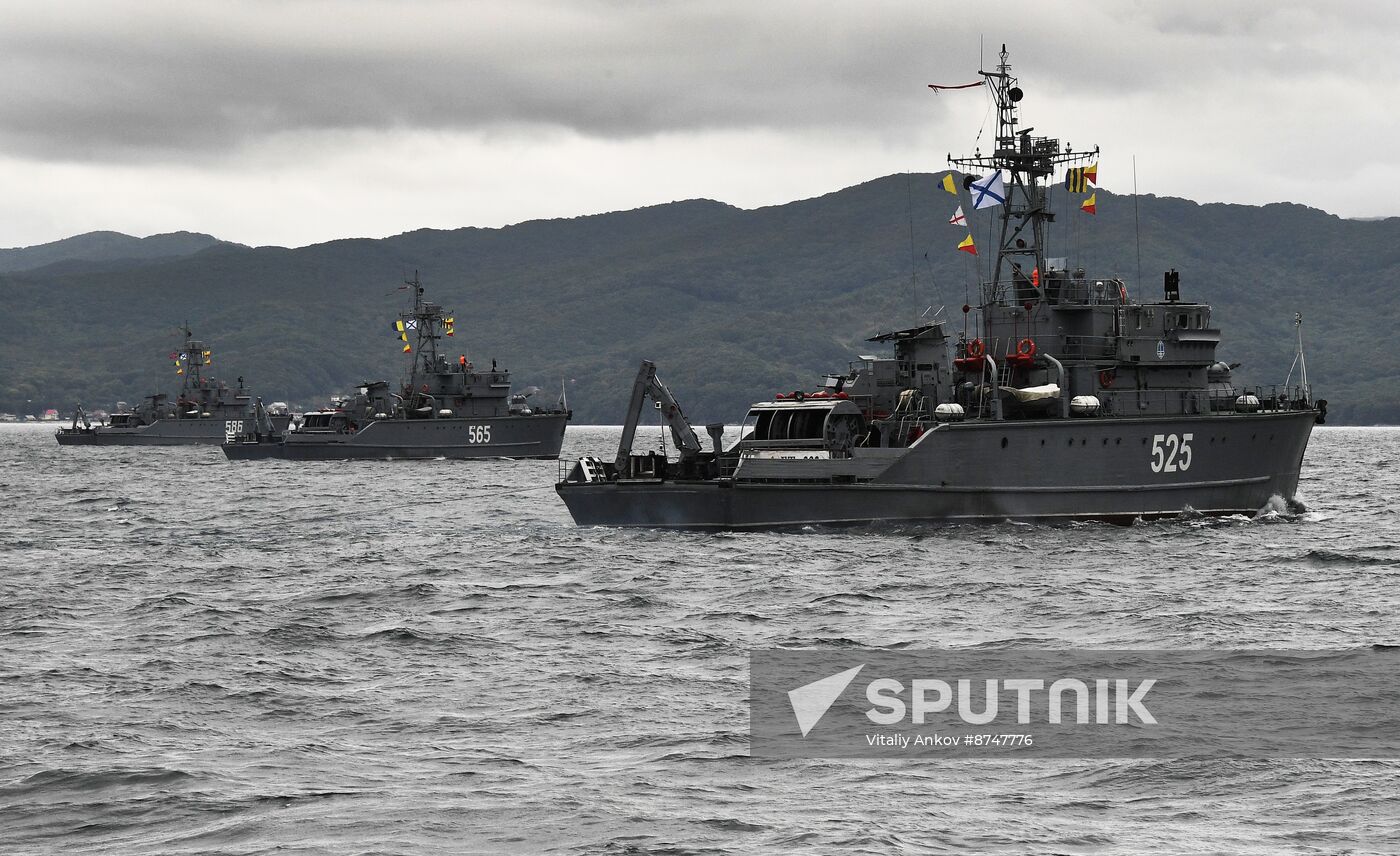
(967, 246)
(407, 347)
(1090, 205)
(1091, 173)
(949, 185)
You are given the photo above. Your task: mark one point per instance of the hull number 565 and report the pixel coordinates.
(478, 433)
(1171, 453)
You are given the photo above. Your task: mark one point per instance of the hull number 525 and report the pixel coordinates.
(1171, 453)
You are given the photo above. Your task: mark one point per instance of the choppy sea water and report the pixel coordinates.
(428, 657)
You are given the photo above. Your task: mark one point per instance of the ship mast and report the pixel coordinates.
(1027, 162)
(424, 320)
(194, 361)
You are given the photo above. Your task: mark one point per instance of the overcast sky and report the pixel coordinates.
(297, 121)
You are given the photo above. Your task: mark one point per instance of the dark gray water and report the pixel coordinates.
(400, 657)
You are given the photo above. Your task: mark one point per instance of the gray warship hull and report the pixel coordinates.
(164, 432)
(1083, 469)
(1061, 398)
(517, 436)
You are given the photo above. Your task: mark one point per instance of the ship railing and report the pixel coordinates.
(1275, 398)
(905, 426)
(1089, 347)
(1279, 397)
(1075, 347)
(1064, 292)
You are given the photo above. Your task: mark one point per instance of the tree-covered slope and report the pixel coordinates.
(732, 304)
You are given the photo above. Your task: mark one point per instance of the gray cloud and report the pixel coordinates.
(135, 80)
(1221, 100)
(172, 80)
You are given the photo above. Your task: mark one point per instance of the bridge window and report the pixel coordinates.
(761, 421)
(788, 424)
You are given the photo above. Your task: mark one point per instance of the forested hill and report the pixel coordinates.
(96, 248)
(732, 304)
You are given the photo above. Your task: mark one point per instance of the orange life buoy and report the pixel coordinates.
(1122, 292)
(423, 388)
(1026, 347)
(1107, 377)
(975, 348)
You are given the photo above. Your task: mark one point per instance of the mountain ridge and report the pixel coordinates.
(104, 246)
(733, 304)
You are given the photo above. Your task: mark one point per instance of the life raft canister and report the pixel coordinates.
(975, 348)
(1026, 347)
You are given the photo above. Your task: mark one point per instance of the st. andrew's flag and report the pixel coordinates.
(988, 191)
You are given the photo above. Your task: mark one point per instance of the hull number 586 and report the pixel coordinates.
(1171, 453)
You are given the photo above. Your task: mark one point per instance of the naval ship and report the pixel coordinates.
(446, 409)
(205, 411)
(1059, 398)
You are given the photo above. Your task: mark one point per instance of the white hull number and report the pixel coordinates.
(1171, 453)
(478, 433)
(233, 429)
